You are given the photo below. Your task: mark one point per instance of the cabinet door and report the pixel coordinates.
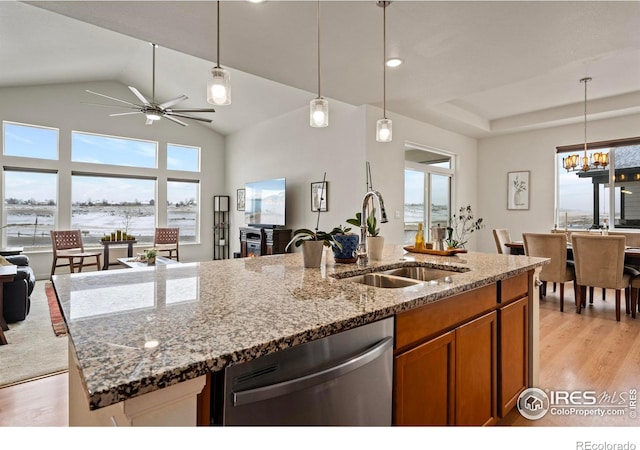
(476, 371)
(424, 383)
(513, 353)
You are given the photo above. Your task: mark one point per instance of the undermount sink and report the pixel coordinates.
(383, 280)
(422, 273)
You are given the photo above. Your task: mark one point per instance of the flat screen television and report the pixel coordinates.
(265, 203)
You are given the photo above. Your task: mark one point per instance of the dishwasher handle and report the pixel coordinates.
(297, 384)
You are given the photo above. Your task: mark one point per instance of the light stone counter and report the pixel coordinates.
(135, 331)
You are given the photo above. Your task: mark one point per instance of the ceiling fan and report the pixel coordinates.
(155, 111)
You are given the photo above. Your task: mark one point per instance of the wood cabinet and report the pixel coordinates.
(263, 241)
(463, 360)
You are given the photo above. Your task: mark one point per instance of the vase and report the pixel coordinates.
(151, 261)
(375, 244)
(349, 244)
(312, 254)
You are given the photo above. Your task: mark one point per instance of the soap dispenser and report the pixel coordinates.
(419, 244)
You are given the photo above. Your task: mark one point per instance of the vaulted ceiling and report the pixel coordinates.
(478, 68)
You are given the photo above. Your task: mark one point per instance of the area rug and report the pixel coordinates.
(33, 350)
(57, 322)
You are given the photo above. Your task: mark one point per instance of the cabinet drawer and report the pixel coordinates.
(426, 321)
(514, 288)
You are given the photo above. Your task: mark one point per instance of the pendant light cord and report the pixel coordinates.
(318, 25)
(384, 59)
(218, 38)
(585, 81)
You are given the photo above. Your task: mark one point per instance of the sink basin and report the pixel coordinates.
(382, 280)
(421, 273)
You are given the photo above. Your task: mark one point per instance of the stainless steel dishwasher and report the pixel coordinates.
(343, 379)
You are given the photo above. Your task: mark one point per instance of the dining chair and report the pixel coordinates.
(166, 240)
(600, 263)
(635, 287)
(67, 245)
(554, 247)
(501, 237)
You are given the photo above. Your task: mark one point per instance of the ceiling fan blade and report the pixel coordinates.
(180, 122)
(110, 106)
(140, 96)
(111, 98)
(201, 119)
(125, 113)
(173, 101)
(197, 110)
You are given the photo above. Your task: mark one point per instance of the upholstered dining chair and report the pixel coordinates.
(501, 236)
(67, 245)
(635, 287)
(600, 263)
(554, 247)
(166, 240)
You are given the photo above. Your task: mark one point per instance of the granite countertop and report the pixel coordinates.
(138, 330)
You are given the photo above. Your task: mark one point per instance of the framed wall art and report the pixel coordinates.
(240, 201)
(518, 190)
(319, 196)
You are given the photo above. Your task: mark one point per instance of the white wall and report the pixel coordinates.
(387, 166)
(286, 146)
(534, 151)
(61, 106)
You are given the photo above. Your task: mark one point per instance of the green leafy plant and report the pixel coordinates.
(340, 230)
(150, 253)
(301, 235)
(461, 225)
(372, 223)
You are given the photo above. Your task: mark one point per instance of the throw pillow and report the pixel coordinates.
(4, 262)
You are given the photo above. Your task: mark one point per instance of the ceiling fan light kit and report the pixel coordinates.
(219, 85)
(155, 111)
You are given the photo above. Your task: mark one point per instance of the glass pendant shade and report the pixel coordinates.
(319, 113)
(153, 116)
(219, 87)
(384, 132)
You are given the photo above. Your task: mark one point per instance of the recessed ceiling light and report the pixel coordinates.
(394, 62)
(256, 1)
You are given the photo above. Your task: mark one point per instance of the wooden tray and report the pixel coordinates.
(428, 251)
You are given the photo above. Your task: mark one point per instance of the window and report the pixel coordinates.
(99, 149)
(183, 209)
(103, 204)
(30, 207)
(427, 181)
(30, 141)
(585, 200)
(182, 157)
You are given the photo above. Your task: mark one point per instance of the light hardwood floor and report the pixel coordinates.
(588, 351)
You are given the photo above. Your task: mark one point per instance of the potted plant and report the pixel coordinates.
(375, 242)
(461, 225)
(349, 242)
(150, 256)
(312, 243)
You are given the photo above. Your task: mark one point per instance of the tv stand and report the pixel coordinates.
(258, 241)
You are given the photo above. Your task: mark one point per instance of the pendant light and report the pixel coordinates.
(319, 107)
(383, 126)
(219, 85)
(594, 161)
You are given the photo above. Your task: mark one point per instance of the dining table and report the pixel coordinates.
(631, 254)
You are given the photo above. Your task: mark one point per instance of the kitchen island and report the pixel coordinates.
(143, 342)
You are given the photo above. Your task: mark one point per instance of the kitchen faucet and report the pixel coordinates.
(362, 251)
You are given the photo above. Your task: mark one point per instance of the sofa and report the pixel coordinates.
(16, 293)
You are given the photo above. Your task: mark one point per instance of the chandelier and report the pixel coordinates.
(593, 161)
